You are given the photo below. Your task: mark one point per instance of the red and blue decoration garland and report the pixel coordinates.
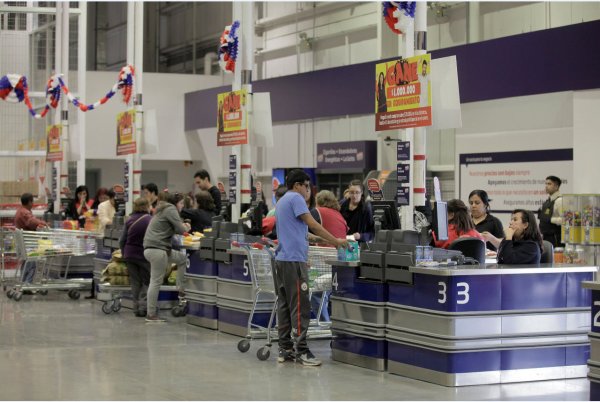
(13, 88)
(399, 15)
(228, 47)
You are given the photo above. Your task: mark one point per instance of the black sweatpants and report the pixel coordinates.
(293, 306)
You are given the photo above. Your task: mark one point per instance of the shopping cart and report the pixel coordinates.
(111, 295)
(8, 258)
(34, 249)
(319, 275)
(260, 262)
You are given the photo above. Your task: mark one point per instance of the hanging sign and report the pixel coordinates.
(126, 133)
(232, 118)
(403, 93)
(403, 173)
(403, 151)
(403, 196)
(54, 151)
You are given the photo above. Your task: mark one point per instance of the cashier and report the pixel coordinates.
(522, 243)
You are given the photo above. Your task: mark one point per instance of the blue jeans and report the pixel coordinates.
(315, 301)
(28, 272)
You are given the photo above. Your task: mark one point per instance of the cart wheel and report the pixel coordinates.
(74, 294)
(263, 353)
(10, 293)
(17, 296)
(116, 305)
(177, 311)
(106, 309)
(43, 292)
(243, 345)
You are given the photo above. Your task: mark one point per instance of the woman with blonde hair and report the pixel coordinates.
(327, 213)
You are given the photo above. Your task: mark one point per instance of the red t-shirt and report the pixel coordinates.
(333, 222)
(452, 235)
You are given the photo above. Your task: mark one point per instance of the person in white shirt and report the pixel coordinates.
(106, 211)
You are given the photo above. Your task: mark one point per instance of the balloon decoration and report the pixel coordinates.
(399, 15)
(228, 47)
(13, 88)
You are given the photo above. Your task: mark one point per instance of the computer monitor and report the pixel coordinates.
(385, 214)
(440, 220)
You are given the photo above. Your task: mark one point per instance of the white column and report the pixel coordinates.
(473, 12)
(131, 53)
(236, 85)
(81, 87)
(64, 103)
(420, 133)
(135, 174)
(57, 114)
(406, 212)
(247, 62)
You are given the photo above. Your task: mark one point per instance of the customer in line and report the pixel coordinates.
(157, 248)
(291, 268)
(483, 220)
(132, 250)
(523, 241)
(200, 217)
(358, 213)
(327, 213)
(279, 192)
(25, 220)
(459, 224)
(100, 197)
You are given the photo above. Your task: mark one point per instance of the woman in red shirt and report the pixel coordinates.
(459, 224)
(327, 213)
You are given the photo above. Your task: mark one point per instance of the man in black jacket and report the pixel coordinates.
(550, 213)
(202, 180)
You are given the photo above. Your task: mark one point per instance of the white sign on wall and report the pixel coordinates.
(514, 179)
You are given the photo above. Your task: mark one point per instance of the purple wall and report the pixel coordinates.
(552, 60)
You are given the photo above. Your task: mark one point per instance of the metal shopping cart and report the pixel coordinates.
(34, 249)
(260, 262)
(319, 286)
(111, 296)
(8, 258)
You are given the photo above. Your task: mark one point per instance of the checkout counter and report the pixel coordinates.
(461, 325)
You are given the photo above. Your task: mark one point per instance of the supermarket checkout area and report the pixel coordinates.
(458, 325)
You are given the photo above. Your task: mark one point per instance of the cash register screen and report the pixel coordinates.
(440, 221)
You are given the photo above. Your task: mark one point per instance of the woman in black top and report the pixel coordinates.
(358, 213)
(522, 243)
(201, 217)
(482, 219)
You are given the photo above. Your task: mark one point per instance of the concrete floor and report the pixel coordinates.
(54, 348)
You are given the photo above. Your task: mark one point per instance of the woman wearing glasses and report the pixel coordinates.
(358, 213)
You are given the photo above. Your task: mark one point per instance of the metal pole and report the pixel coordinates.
(407, 211)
